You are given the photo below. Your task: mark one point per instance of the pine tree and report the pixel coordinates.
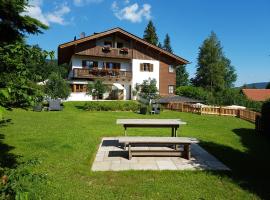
(213, 67)
(150, 34)
(13, 24)
(167, 43)
(181, 76)
(160, 45)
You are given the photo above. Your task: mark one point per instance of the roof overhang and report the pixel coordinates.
(69, 46)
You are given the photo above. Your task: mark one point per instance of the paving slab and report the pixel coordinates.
(112, 157)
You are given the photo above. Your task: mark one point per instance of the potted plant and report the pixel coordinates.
(106, 48)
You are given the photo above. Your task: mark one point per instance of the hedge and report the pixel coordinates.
(265, 118)
(111, 106)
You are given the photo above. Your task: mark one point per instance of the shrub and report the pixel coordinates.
(265, 118)
(57, 87)
(192, 92)
(111, 106)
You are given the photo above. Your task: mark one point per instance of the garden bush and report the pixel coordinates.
(265, 118)
(111, 106)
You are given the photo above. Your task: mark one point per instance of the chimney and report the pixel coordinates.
(82, 35)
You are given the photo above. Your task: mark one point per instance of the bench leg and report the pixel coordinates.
(187, 151)
(129, 152)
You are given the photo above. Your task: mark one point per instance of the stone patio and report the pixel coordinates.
(112, 157)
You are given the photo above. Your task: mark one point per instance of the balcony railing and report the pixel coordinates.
(95, 73)
(108, 52)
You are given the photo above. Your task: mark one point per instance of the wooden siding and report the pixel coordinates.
(97, 51)
(166, 78)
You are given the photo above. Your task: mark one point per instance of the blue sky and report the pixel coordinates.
(243, 27)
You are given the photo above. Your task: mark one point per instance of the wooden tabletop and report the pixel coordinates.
(150, 122)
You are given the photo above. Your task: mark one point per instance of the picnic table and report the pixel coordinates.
(174, 124)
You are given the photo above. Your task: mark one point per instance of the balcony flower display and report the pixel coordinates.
(106, 48)
(124, 50)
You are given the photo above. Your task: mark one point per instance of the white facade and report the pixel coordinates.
(139, 76)
(133, 66)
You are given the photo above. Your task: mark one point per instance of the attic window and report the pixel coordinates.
(108, 43)
(120, 45)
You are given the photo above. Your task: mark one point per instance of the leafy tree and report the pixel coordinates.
(192, 92)
(159, 45)
(56, 87)
(267, 86)
(213, 67)
(181, 76)
(13, 24)
(148, 89)
(16, 86)
(150, 34)
(167, 44)
(97, 89)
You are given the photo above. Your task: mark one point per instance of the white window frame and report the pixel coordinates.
(171, 89)
(171, 69)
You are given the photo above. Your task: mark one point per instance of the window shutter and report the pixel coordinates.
(151, 67)
(141, 67)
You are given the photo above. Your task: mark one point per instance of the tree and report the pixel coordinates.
(14, 24)
(17, 58)
(159, 45)
(148, 89)
(150, 34)
(167, 44)
(97, 89)
(267, 86)
(213, 67)
(181, 76)
(57, 87)
(230, 76)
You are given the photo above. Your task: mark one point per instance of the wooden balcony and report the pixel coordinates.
(107, 52)
(101, 73)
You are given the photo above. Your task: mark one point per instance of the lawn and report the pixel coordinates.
(66, 142)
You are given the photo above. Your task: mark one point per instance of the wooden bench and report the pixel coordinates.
(159, 141)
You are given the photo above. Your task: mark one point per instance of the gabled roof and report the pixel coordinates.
(119, 30)
(257, 94)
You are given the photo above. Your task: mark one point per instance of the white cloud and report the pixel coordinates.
(56, 16)
(132, 12)
(84, 2)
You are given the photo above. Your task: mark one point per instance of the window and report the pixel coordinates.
(171, 68)
(89, 64)
(108, 43)
(111, 65)
(171, 89)
(119, 45)
(80, 88)
(146, 67)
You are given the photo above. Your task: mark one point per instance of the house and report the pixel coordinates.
(257, 94)
(121, 60)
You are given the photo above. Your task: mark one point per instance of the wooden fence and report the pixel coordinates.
(214, 110)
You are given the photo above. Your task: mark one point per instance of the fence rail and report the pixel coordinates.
(214, 110)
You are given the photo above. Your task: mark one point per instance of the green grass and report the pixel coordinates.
(66, 142)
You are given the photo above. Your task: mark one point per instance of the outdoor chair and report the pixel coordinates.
(37, 108)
